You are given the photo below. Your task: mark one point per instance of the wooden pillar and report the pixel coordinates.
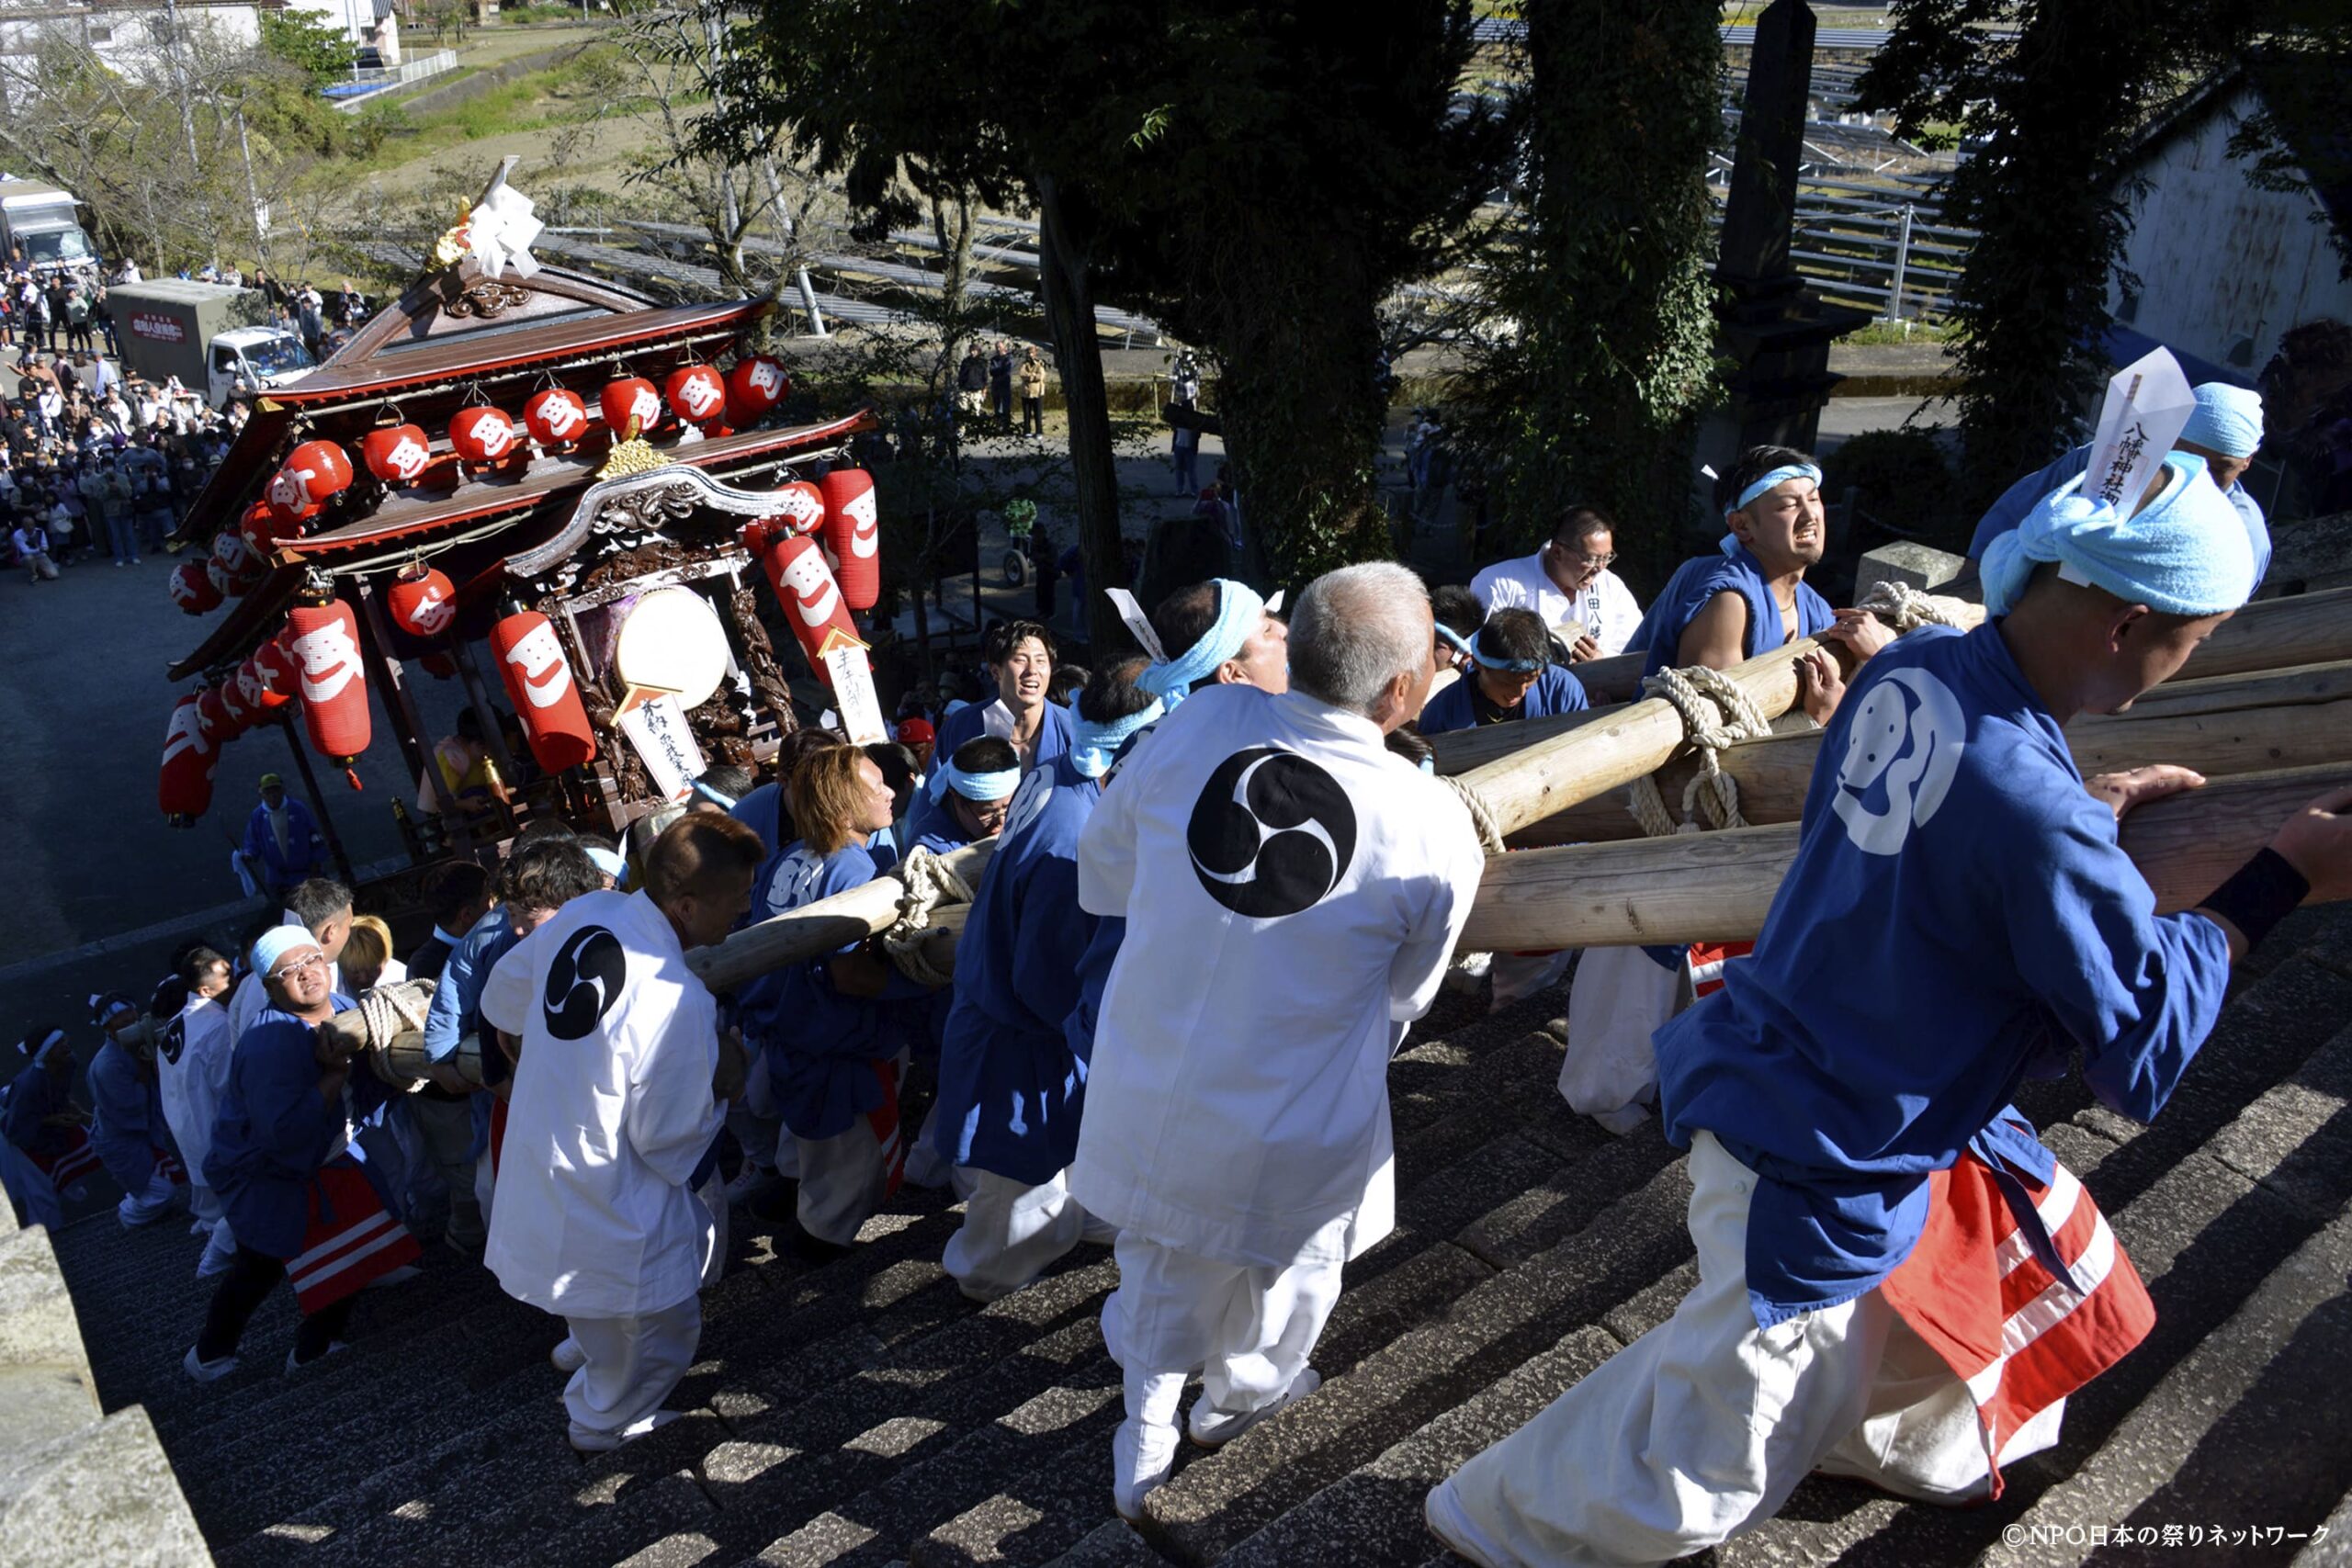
(318, 798)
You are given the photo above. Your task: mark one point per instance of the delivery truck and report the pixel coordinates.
(218, 339)
(44, 222)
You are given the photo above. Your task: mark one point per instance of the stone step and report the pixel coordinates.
(1114, 1545)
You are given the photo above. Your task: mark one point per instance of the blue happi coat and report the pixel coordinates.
(820, 1045)
(1959, 918)
(274, 1132)
(1011, 1080)
(126, 1118)
(1555, 690)
(970, 722)
(2021, 498)
(1694, 582)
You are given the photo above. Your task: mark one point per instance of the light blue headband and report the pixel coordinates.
(1092, 746)
(973, 787)
(1238, 611)
(1785, 472)
(2184, 554)
(1460, 643)
(717, 798)
(277, 943)
(1489, 661)
(2227, 420)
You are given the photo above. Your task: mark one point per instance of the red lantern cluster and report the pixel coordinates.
(540, 684)
(696, 394)
(397, 454)
(482, 435)
(853, 535)
(324, 642)
(556, 417)
(630, 407)
(234, 568)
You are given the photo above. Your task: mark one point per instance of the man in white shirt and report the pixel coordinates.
(1569, 583)
(619, 1093)
(1292, 891)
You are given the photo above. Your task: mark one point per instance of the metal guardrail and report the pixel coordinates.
(407, 70)
(1887, 255)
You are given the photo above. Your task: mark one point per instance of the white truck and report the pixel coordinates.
(45, 223)
(215, 339)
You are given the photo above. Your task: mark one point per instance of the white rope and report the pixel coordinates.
(1905, 608)
(1710, 791)
(928, 884)
(386, 1012)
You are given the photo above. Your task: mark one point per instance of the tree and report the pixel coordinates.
(308, 44)
(2052, 105)
(1595, 349)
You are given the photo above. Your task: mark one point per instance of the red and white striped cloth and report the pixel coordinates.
(351, 1242)
(2020, 1337)
(66, 1169)
(1707, 960)
(883, 1119)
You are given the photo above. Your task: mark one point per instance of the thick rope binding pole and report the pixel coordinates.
(930, 883)
(1711, 789)
(1482, 821)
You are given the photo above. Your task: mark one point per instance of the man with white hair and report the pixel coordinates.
(2225, 430)
(1291, 892)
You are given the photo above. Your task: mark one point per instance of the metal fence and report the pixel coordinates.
(1880, 247)
(374, 78)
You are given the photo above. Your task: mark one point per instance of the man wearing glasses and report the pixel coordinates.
(1568, 584)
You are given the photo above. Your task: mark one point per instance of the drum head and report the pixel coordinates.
(672, 641)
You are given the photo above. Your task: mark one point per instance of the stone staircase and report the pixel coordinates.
(864, 1413)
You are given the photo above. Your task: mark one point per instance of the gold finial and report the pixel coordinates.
(634, 456)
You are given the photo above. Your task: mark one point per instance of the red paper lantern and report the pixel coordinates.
(756, 384)
(184, 787)
(698, 393)
(280, 672)
(235, 568)
(264, 688)
(236, 707)
(812, 599)
(539, 683)
(193, 589)
(423, 601)
(397, 454)
(482, 435)
(630, 406)
(556, 417)
(802, 505)
(218, 726)
(261, 529)
(853, 535)
(325, 644)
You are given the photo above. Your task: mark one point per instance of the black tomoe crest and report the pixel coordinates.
(584, 982)
(1271, 833)
(174, 1040)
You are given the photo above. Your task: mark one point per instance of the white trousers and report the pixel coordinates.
(632, 1365)
(145, 1205)
(1247, 1331)
(1011, 1232)
(1703, 1426)
(1620, 998)
(844, 1180)
(1521, 976)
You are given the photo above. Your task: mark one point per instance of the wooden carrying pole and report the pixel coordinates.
(826, 926)
(1717, 886)
(2231, 724)
(2310, 628)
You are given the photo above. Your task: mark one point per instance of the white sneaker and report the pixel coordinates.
(400, 1276)
(1210, 1427)
(200, 1227)
(749, 1179)
(335, 1348)
(1141, 1458)
(1443, 1512)
(589, 1440)
(207, 1371)
(567, 1357)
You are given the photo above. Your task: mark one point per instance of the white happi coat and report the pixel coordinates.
(1292, 891)
(191, 1071)
(610, 1114)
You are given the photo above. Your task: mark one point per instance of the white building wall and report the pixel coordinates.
(2224, 267)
